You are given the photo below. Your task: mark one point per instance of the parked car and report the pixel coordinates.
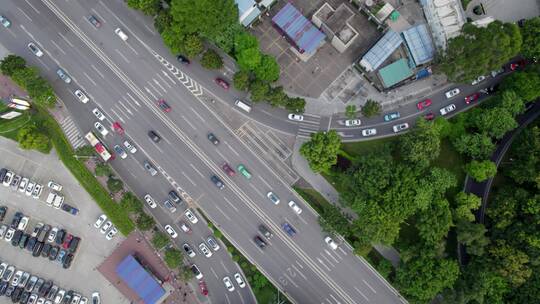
(239, 280)
(212, 243)
(188, 250)
(242, 169)
(392, 116)
(429, 116)
(37, 191)
(423, 104)
(272, 197)
(174, 197)
(100, 220)
(5, 21)
(52, 235)
(169, 229)
(259, 241)
(98, 114)
(369, 132)
(30, 188)
(453, 92)
(204, 249)
(295, 207)
(400, 127)
(191, 216)
(94, 21)
(265, 231)
(150, 168)
(295, 117)
(203, 288)
(3, 211)
(228, 284)
(130, 147)
(230, 171)
(81, 96)
(105, 227)
(117, 127)
(150, 201)
(74, 244)
(472, 97)
(55, 186)
(449, 108)
(330, 242)
(118, 150)
(478, 80)
(196, 272)
(63, 75)
(111, 233)
(183, 59)
(288, 228)
(352, 122)
(169, 206)
(35, 49)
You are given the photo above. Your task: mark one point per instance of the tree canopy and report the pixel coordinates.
(531, 43)
(321, 150)
(481, 170)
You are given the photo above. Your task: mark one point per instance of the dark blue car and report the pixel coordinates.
(289, 229)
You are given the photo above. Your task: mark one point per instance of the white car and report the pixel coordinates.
(23, 184)
(30, 188)
(59, 296)
(204, 249)
(7, 179)
(272, 197)
(101, 128)
(35, 49)
(330, 242)
(191, 217)
(84, 300)
(369, 132)
(55, 186)
(58, 201)
(228, 284)
(76, 298)
(9, 234)
(239, 280)
(296, 117)
(130, 147)
(449, 108)
(111, 233)
(400, 127)
(185, 227)
(452, 93)
(52, 235)
(478, 80)
(121, 34)
(37, 191)
(352, 122)
(16, 278)
(105, 227)
(96, 299)
(171, 231)
(3, 268)
(82, 97)
(100, 220)
(98, 114)
(23, 223)
(150, 201)
(295, 207)
(3, 230)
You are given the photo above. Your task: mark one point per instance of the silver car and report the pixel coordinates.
(369, 132)
(63, 75)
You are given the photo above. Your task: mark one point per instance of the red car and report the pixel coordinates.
(222, 83)
(518, 64)
(67, 240)
(423, 104)
(228, 169)
(164, 105)
(471, 98)
(429, 116)
(118, 128)
(202, 287)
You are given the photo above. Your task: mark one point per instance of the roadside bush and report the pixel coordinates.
(12, 63)
(148, 7)
(30, 138)
(241, 80)
(145, 222)
(114, 184)
(295, 104)
(193, 45)
(267, 69)
(259, 90)
(173, 258)
(131, 203)
(160, 240)
(481, 170)
(211, 60)
(371, 108)
(85, 151)
(103, 169)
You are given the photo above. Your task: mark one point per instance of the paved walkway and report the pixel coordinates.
(319, 183)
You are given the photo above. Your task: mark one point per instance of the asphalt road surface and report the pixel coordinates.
(124, 79)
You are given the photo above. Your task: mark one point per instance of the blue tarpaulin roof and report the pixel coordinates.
(419, 44)
(299, 29)
(381, 51)
(138, 279)
(247, 11)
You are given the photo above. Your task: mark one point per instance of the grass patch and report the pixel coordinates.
(363, 147)
(465, 3)
(10, 128)
(451, 160)
(314, 198)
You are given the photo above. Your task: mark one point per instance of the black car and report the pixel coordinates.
(67, 261)
(60, 235)
(46, 249)
(44, 289)
(217, 181)
(213, 138)
(16, 237)
(70, 209)
(153, 136)
(183, 59)
(53, 253)
(259, 241)
(24, 240)
(67, 297)
(175, 197)
(31, 243)
(16, 219)
(3, 287)
(42, 235)
(17, 294)
(38, 285)
(3, 211)
(24, 297)
(265, 231)
(9, 291)
(37, 249)
(74, 244)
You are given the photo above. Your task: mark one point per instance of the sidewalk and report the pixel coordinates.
(319, 183)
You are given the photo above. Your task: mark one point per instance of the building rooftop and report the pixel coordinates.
(381, 51)
(419, 44)
(395, 73)
(139, 280)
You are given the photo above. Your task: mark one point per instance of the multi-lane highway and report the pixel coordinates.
(124, 79)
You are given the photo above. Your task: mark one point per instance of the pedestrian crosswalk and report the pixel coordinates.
(72, 133)
(310, 125)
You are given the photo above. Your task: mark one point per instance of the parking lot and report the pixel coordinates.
(82, 275)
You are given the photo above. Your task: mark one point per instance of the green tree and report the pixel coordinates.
(525, 156)
(422, 145)
(421, 279)
(473, 236)
(465, 204)
(511, 263)
(174, 40)
(148, 7)
(30, 138)
(371, 108)
(160, 240)
(258, 281)
(511, 102)
(496, 122)
(193, 45)
(145, 222)
(242, 80)
(434, 222)
(277, 97)
(114, 184)
(503, 211)
(249, 59)
(529, 292)
(481, 170)
(12, 63)
(103, 169)
(186, 274)
(321, 150)
(211, 60)
(162, 21)
(173, 258)
(259, 90)
(475, 145)
(131, 203)
(295, 104)
(267, 69)
(526, 84)
(350, 111)
(479, 50)
(530, 33)
(243, 41)
(333, 221)
(225, 40)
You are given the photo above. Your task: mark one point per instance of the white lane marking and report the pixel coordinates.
(222, 212)
(311, 115)
(327, 260)
(168, 77)
(189, 123)
(132, 49)
(33, 7)
(150, 92)
(189, 179)
(334, 298)
(299, 264)
(29, 34)
(91, 80)
(58, 47)
(24, 14)
(155, 145)
(369, 286)
(221, 155)
(196, 170)
(230, 204)
(12, 33)
(134, 100)
(231, 148)
(66, 40)
(121, 55)
(328, 300)
(290, 280)
(149, 29)
(264, 182)
(299, 272)
(361, 293)
(153, 87)
(197, 114)
(159, 85)
(117, 115)
(256, 190)
(322, 263)
(330, 255)
(97, 71)
(342, 251)
(224, 267)
(124, 106)
(227, 298)
(99, 16)
(164, 81)
(214, 272)
(130, 104)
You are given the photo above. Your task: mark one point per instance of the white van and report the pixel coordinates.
(50, 199)
(242, 105)
(121, 34)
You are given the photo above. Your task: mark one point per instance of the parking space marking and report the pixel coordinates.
(222, 212)
(121, 55)
(196, 170)
(214, 272)
(97, 71)
(58, 47)
(369, 286)
(224, 267)
(264, 182)
(24, 14)
(361, 293)
(189, 179)
(230, 204)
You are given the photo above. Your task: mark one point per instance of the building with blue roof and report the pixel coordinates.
(300, 32)
(419, 44)
(140, 280)
(373, 59)
(248, 11)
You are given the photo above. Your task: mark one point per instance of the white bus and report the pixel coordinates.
(242, 105)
